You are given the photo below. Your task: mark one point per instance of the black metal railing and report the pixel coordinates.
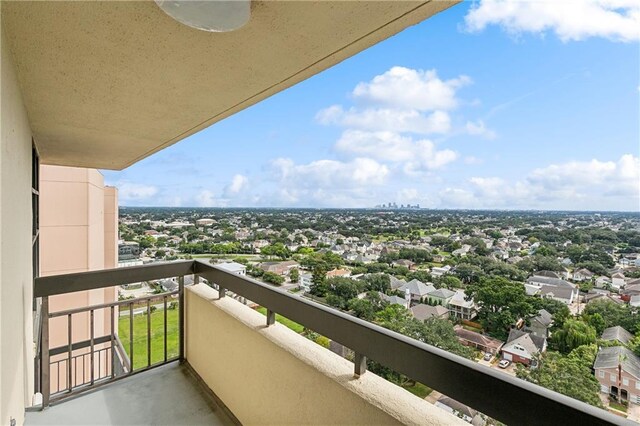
(79, 364)
(494, 393)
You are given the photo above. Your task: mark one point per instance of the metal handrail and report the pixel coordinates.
(110, 304)
(494, 393)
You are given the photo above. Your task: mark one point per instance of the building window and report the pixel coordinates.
(638, 384)
(601, 374)
(612, 377)
(625, 381)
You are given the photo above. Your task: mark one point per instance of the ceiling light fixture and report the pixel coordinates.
(208, 15)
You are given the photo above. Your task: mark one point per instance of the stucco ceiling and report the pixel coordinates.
(108, 83)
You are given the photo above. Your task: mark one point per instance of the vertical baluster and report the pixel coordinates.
(44, 352)
(148, 332)
(181, 317)
(164, 300)
(113, 343)
(131, 336)
(70, 351)
(91, 314)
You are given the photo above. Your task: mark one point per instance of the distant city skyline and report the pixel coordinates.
(484, 106)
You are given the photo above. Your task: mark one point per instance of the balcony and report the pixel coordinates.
(234, 365)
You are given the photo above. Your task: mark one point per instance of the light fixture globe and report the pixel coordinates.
(208, 15)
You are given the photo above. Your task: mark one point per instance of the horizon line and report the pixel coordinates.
(384, 209)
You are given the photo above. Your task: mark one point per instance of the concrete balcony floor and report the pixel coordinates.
(167, 395)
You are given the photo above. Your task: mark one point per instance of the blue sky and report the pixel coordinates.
(486, 105)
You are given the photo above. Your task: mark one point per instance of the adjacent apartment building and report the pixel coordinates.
(78, 233)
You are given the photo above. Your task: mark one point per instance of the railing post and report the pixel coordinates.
(70, 352)
(271, 317)
(92, 348)
(113, 343)
(148, 332)
(164, 303)
(360, 364)
(181, 316)
(44, 354)
(131, 337)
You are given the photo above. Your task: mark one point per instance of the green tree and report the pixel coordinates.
(294, 275)
(363, 308)
(597, 322)
(570, 375)
(613, 314)
(378, 282)
(574, 333)
(500, 304)
(318, 280)
(273, 278)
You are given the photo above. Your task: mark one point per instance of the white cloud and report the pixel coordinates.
(391, 147)
(617, 20)
(326, 183)
(238, 183)
(574, 185)
(205, 198)
(478, 128)
(330, 173)
(400, 100)
(408, 88)
(135, 191)
(387, 119)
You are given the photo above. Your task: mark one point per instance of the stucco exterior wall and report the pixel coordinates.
(275, 376)
(78, 223)
(16, 280)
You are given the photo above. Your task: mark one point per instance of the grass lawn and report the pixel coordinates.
(617, 406)
(157, 336)
(284, 321)
(468, 327)
(419, 390)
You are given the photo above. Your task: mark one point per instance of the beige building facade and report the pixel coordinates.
(78, 233)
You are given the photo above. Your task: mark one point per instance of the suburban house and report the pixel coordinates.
(338, 273)
(406, 263)
(280, 268)
(458, 409)
(618, 371)
(396, 283)
(396, 300)
(618, 280)
(630, 290)
(233, 267)
(582, 275)
(306, 279)
(441, 296)
(479, 341)
(603, 281)
(540, 324)
(460, 307)
(440, 271)
(424, 312)
(616, 334)
(555, 288)
(521, 347)
(417, 289)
